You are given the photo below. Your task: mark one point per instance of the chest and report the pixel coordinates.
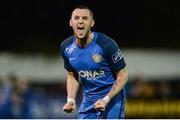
(90, 58)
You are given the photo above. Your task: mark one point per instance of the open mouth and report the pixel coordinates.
(80, 28)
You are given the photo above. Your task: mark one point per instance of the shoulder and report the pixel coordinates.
(66, 42)
(104, 40)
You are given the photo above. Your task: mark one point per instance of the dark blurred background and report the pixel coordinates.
(148, 33)
(31, 26)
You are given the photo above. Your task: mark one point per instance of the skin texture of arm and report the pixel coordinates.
(122, 78)
(72, 85)
(72, 89)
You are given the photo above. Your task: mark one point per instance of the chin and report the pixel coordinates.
(80, 36)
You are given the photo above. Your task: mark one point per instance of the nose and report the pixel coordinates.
(81, 20)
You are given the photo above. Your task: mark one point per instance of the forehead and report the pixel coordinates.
(81, 12)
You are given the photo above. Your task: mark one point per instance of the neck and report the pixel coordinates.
(85, 41)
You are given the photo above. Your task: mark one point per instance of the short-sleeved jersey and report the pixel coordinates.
(95, 64)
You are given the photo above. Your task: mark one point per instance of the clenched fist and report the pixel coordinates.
(69, 107)
(100, 105)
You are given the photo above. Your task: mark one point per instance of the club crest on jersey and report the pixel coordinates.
(97, 58)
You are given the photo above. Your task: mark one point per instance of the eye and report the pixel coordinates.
(85, 18)
(76, 17)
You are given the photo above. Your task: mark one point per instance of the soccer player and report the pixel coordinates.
(95, 61)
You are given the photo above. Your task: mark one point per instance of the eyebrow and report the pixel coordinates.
(81, 16)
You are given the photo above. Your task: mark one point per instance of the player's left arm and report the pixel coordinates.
(117, 64)
(122, 78)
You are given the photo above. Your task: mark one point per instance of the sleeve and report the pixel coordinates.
(114, 56)
(69, 68)
(67, 65)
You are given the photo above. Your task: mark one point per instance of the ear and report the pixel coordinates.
(93, 22)
(70, 23)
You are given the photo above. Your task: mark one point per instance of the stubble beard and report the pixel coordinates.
(83, 41)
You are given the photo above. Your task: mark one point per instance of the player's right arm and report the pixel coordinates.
(72, 82)
(72, 89)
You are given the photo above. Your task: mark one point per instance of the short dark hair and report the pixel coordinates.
(84, 7)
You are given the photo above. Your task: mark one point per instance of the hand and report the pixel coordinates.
(69, 107)
(100, 105)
